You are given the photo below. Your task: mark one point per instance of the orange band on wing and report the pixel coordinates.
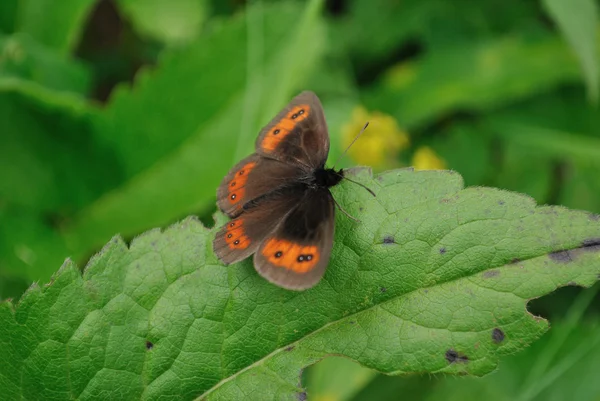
(284, 127)
(238, 182)
(290, 255)
(235, 236)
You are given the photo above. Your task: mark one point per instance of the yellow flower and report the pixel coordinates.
(380, 144)
(426, 159)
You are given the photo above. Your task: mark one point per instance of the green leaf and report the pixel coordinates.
(578, 20)
(178, 129)
(337, 379)
(56, 24)
(571, 375)
(42, 147)
(49, 169)
(435, 278)
(172, 22)
(537, 156)
(8, 10)
(30, 247)
(473, 76)
(37, 72)
(558, 366)
(467, 149)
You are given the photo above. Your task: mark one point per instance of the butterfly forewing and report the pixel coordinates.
(296, 253)
(298, 134)
(253, 178)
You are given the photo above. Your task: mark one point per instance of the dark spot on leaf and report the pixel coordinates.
(361, 208)
(515, 261)
(454, 357)
(592, 244)
(594, 216)
(388, 239)
(290, 348)
(302, 396)
(149, 345)
(442, 250)
(382, 289)
(501, 202)
(561, 256)
(491, 273)
(352, 322)
(497, 335)
(572, 284)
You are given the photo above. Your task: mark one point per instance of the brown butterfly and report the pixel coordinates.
(279, 200)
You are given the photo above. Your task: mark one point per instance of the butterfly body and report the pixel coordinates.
(279, 199)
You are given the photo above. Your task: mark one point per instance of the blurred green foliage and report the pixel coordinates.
(119, 116)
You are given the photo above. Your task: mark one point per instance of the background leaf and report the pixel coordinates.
(579, 22)
(55, 24)
(174, 22)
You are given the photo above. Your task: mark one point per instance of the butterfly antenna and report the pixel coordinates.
(352, 143)
(345, 212)
(362, 185)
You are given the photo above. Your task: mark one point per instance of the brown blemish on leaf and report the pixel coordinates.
(497, 335)
(561, 256)
(453, 356)
(302, 396)
(290, 348)
(442, 250)
(149, 345)
(388, 239)
(382, 289)
(515, 261)
(591, 244)
(490, 273)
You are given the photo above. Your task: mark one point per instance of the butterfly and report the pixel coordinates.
(279, 199)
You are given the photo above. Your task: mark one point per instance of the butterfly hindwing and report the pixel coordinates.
(241, 236)
(298, 134)
(252, 178)
(296, 253)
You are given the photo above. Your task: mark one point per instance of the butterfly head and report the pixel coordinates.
(327, 177)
